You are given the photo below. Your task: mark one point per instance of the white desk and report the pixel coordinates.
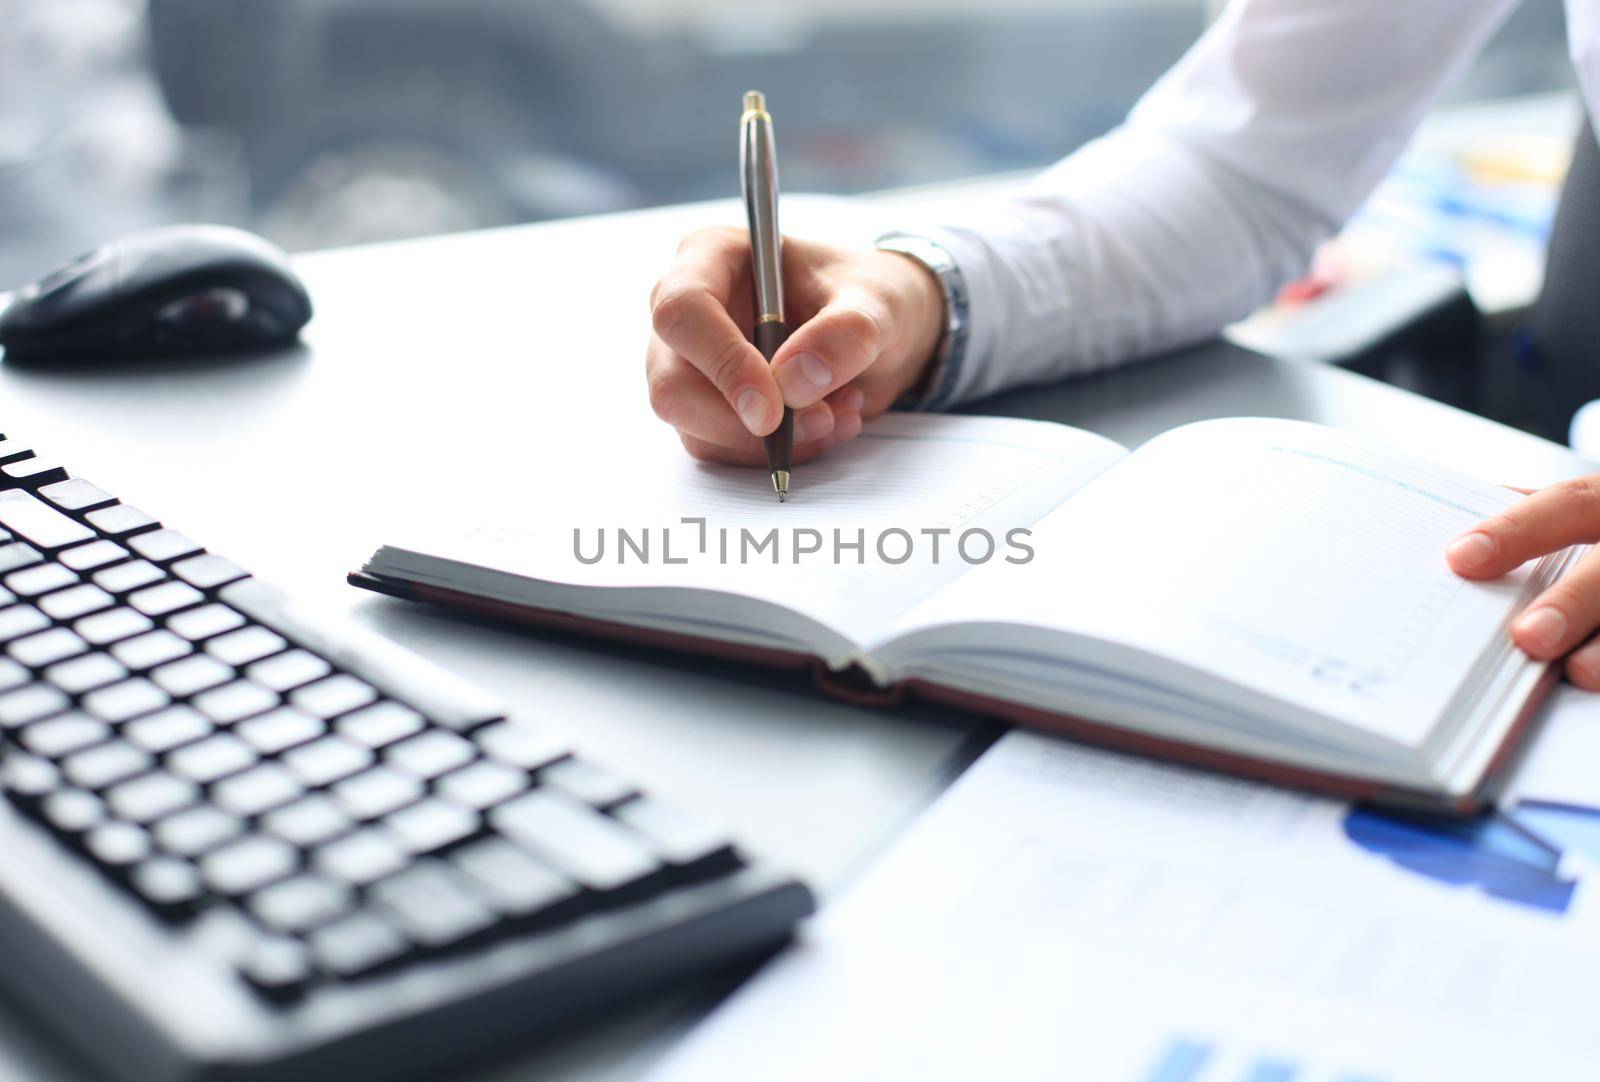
(497, 356)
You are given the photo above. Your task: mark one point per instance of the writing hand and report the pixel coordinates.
(865, 324)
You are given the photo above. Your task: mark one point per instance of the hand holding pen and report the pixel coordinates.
(864, 326)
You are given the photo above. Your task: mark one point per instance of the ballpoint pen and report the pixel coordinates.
(758, 176)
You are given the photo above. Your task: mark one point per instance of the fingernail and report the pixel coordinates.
(1542, 629)
(812, 424)
(752, 410)
(1471, 550)
(805, 376)
(853, 399)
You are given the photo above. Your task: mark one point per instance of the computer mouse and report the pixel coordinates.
(168, 291)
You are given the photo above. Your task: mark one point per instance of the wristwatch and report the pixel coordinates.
(936, 387)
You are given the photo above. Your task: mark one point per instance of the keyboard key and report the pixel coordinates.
(35, 521)
(28, 778)
(17, 555)
(513, 882)
(681, 839)
(483, 784)
(435, 752)
(277, 967)
(212, 758)
(327, 760)
(167, 729)
(118, 845)
(60, 736)
(129, 699)
(376, 792)
(308, 822)
(433, 905)
(165, 598)
(280, 729)
(587, 782)
(300, 904)
(85, 673)
(12, 675)
(245, 645)
(29, 704)
(106, 764)
(129, 576)
(257, 790)
(248, 865)
(519, 745)
(47, 647)
(94, 554)
(334, 696)
(197, 830)
(360, 858)
(432, 825)
(152, 796)
(208, 572)
(79, 601)
(442, 698)
(34, 470)
(113, 626)
(380, 725)
(575, 839)
(6, 597)
(288, 670)
(21, 620)
(73, 811)
(170, 885)
(234, 701)
(150, 649)
(355, 945)
(160, 546)
(204, 622)
(120, 520)
(194, 673)
(32, 581)
(75, 495)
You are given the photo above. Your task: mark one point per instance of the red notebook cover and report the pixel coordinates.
(854, 687)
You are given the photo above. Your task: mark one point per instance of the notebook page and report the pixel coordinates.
(1286, 557)
(869, 529)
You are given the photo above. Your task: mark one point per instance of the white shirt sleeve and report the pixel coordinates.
(1213, 193)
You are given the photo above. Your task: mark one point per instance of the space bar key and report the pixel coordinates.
(439, 694)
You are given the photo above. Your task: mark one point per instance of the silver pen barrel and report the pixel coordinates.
(758, 174)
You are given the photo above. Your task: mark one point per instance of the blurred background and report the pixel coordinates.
(330, 122)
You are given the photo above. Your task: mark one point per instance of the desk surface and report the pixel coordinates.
(492, 356)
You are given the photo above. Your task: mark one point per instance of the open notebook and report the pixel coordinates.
(1259, 595)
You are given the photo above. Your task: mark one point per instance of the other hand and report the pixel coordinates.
(1565, 617)
(864, 326)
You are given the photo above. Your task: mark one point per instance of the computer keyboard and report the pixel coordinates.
(312, 853)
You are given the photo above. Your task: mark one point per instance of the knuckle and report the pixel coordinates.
(663, 396)
(857, 325)
(671, 306)
(726, 365)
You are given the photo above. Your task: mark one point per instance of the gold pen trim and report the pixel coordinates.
(768, 317)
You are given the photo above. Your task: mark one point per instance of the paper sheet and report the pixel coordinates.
(1071, 914)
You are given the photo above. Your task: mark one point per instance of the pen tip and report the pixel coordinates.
(780, 484)
(755, 101)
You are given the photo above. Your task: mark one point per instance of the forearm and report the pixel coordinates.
(1214, 193)
(1133, 245)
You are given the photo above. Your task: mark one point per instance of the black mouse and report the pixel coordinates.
(161, 292)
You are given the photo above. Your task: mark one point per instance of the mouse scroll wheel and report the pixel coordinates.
(219, 305)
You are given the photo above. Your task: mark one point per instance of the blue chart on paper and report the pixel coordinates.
(1514, 856)
(1186, 1059)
